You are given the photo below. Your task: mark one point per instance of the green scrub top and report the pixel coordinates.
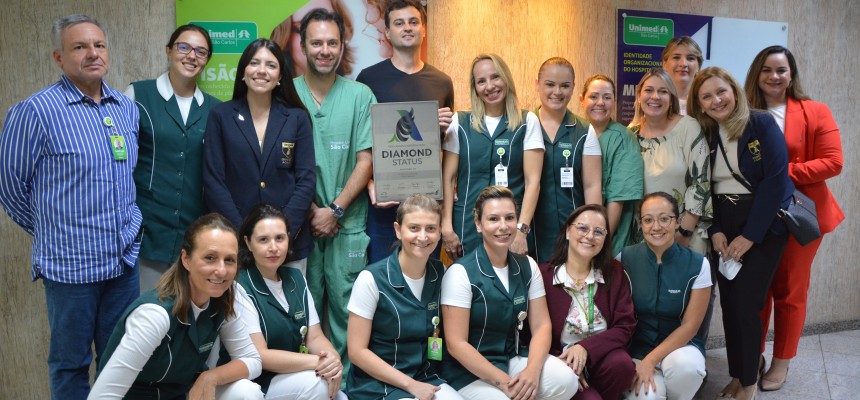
(623, 178)
(478, 159)
(493, 314)
(555, 203)
(341, 129)
(401, 326)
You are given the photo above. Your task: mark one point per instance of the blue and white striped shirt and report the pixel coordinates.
(59, 181)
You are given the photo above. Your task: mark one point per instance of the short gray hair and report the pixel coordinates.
(62, 23)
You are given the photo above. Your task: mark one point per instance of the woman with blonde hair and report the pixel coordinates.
(496, 143)
(815, 155)
(682, 59)
(571, 175)
(750, 185)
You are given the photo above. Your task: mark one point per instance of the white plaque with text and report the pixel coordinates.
(406, 150)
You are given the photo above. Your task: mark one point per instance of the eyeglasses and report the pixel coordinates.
(663, 220)
(185, 48)
(583, 229)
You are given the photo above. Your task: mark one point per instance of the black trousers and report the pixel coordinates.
(743, 297)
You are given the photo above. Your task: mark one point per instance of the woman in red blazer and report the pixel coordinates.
(814, 155)
(590, 307)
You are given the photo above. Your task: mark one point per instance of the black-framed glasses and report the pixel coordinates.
(185, 48)
(663, 220)
(597, 232)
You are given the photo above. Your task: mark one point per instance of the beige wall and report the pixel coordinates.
(523, 32)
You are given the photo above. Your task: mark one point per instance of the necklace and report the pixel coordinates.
(319, 103)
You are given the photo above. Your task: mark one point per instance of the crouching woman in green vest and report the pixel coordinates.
(488, 297)
(159, 347)
(279, 314)
(671, 287)
(394, 339)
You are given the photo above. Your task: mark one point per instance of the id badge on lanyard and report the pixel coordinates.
(117, 142)
(434, 343)
(501, 170)
(566, 171)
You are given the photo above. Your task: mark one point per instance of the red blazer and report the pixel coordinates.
(814, 155)
(614, 303)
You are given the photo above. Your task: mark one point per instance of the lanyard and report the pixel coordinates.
(589, 313)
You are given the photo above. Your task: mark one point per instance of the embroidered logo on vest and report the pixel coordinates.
(519, 300)
(432, 305)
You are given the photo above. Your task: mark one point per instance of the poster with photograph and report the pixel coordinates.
(730, 43)
(233, 25)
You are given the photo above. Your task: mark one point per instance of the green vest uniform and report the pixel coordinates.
(175, 363)
(660, 293)
(168, 176)
(555, 203)
(280, 328)
(493, 316)
(401, 326)
(476, 170)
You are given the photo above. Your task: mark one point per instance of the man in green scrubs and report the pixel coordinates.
(340, 109)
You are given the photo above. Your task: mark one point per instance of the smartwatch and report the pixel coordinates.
(685, 233)
(336, 210)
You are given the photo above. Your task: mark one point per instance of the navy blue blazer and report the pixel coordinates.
(237, 176)
(763, 161)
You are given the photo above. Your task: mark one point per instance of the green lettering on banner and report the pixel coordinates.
(229, 37)
(648, 31)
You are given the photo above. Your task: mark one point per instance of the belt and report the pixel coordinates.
(735, 198)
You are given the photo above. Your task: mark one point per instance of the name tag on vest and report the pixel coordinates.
(205, 347)
(432, 306)
(299, 315)
(519, 300)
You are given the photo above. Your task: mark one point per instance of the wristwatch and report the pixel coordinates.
(524, 228)
(685, 233)
(336, 210)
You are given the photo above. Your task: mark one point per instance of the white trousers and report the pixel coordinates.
(243, 389)
(302, 385)
(150, 273)
(678, 376)
(557, 382)
(445, 393)
(301, 265)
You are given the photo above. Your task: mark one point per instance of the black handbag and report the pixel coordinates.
(800, 216)
(801, 219)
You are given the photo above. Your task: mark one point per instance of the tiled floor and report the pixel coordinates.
(826, 367)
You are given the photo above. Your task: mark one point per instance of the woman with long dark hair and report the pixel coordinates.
(173, 115)
(273, 300)
(590, 306)
(814, 155)
(259, 147)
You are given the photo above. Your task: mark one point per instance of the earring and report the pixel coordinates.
(567, 237)
(279, 83)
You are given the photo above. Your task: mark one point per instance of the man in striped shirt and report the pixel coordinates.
(66, 158)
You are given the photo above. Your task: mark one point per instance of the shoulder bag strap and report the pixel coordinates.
(737, 176)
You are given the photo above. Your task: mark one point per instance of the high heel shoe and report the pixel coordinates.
(767, 383)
